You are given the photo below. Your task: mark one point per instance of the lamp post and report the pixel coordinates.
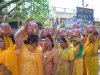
(83, 19)
(83, 12)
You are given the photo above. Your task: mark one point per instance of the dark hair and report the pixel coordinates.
(1, 37)
(12, 37)
(63, 39)
(32, 39)
(96, 33)
(48, 36)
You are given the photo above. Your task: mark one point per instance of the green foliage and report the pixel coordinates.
(46, 23)
(38, 9)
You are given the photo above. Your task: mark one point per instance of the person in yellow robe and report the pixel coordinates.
(66, 57)
(30, 58)
(8, 59)
(91, 54)
(78, 57)
(50, 56)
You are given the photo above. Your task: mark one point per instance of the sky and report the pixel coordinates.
(94, 4)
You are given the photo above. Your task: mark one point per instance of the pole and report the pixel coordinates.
(83, 13)
(83, 3)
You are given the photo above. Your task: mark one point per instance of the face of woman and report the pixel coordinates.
(75, 43)
(2, 43)
(47, 41)
(92, 37)
(62, 43)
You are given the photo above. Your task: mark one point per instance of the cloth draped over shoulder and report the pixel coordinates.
(8, 57)
(91, 62)
(70, 44)
(63, 65)
(30, 63)
(78, 60)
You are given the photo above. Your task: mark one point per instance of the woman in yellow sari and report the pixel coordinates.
(30, 58)
(91, 54)
(8, 59)
(50, 56)
(65, 65)
(78, 57)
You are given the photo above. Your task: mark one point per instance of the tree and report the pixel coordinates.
(5, 4)
(38, 8)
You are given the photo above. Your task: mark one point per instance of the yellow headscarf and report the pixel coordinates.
(8, 41)
(89, 44)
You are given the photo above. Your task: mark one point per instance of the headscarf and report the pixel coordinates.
(88, 46)
(8, 41)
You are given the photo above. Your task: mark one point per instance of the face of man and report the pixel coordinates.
(32, 29)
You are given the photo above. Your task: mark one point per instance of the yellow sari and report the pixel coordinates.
(70, 44)
(1, 72)
(8, 57)
(63, 65)
(49, 59)
(78, 62)
(91, 62)
(30, 63)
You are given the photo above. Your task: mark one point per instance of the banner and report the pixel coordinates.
(85, 14)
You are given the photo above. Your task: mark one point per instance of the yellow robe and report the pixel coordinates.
(30, 63)
(8, 57)
(78, 63)
(63, 65)
(1, 72)
(70, 44)
(91, 62)
(49, 59)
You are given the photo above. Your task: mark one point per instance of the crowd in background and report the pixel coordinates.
(27, 53)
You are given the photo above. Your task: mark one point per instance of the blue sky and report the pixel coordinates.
(94, 4)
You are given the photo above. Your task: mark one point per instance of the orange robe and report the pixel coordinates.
(8, 57)
(49, 58)
(30, 63)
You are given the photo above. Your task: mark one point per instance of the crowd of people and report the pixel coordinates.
(48, 53)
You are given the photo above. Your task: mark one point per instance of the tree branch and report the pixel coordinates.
(14, 8)
(7, 4)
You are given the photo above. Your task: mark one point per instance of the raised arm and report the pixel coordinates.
(54, 41)
(18, 37)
